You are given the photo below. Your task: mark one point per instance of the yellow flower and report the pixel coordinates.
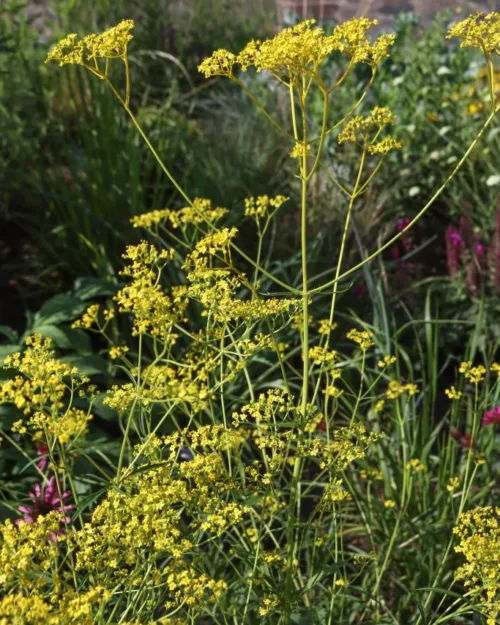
(299, 151)
(478, 31)
(453, 484)
(386, 361)
(389, 503)
(452, 393)
(110, 44)
(415, 465)
(396, 389)
(473, 374)
(362, 337)
(117, 352)
(263, 205)
(325, 327)
(300, 50)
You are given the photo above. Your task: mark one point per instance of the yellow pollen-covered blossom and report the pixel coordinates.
(299, 151)
(110, 44)
(453, 484)
(89, 318)
(396, 388)
(478, 531)
(495, 367)
(383, 147)
(321, 356)
(478, 31)
(389, 503)
(415, 465)
(221, 63)
(473, 374)
(200, 212)
(268, 604)
(299, 50)
(42, 391)
(154, 311)
(362, 337)
(28, 551)
(453, 393)
(263, 206)
(360, 128)
(325, 327)
(386, 361)
(118, 351)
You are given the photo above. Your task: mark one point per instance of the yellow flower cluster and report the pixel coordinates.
(479, 541)
(473, 374)
(333, 493)
(360, 128)
(386, 361)
(263, 206)
(325, 327)
(29, 553)
(362, 337)
(415, 465)
(268, 603)
(62, 609)
(299, 151)
(478, 31)
(396, 388)
(453, 393)
(201, 212)
(322, 356)
(41, 390)
(158, 515)
(89, 318)
(110, 44)
(154, 311)
(299, 50)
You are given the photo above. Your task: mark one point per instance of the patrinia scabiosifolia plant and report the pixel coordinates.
(228, 501)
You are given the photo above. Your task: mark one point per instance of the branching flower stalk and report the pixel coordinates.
(228, 482)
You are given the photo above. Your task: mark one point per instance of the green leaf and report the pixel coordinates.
(58, 309)
(103, 411)
(9, 334)
(8, 414)
(64, 337)
(5, 350)
(88, 365)
(89, 288)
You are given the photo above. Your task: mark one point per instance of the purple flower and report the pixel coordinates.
(42, 450)
(454, 249)
(491, 416)
(455, 237)
(480, 249)
(44, 500)
(402, 223)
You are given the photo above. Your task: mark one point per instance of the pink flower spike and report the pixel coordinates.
(45, 502)
(491, 416)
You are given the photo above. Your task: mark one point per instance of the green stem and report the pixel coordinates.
(417, 217)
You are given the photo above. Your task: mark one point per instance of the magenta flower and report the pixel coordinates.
(454, 249)
(42, 450)
(45, 500)
(491, 416)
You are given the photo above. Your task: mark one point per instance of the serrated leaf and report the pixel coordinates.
(8, 414)
(9, 334)
(5, 350)
(64, 337)
(103, 411)
(89, 288)
(88, 365)
(58, 309)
